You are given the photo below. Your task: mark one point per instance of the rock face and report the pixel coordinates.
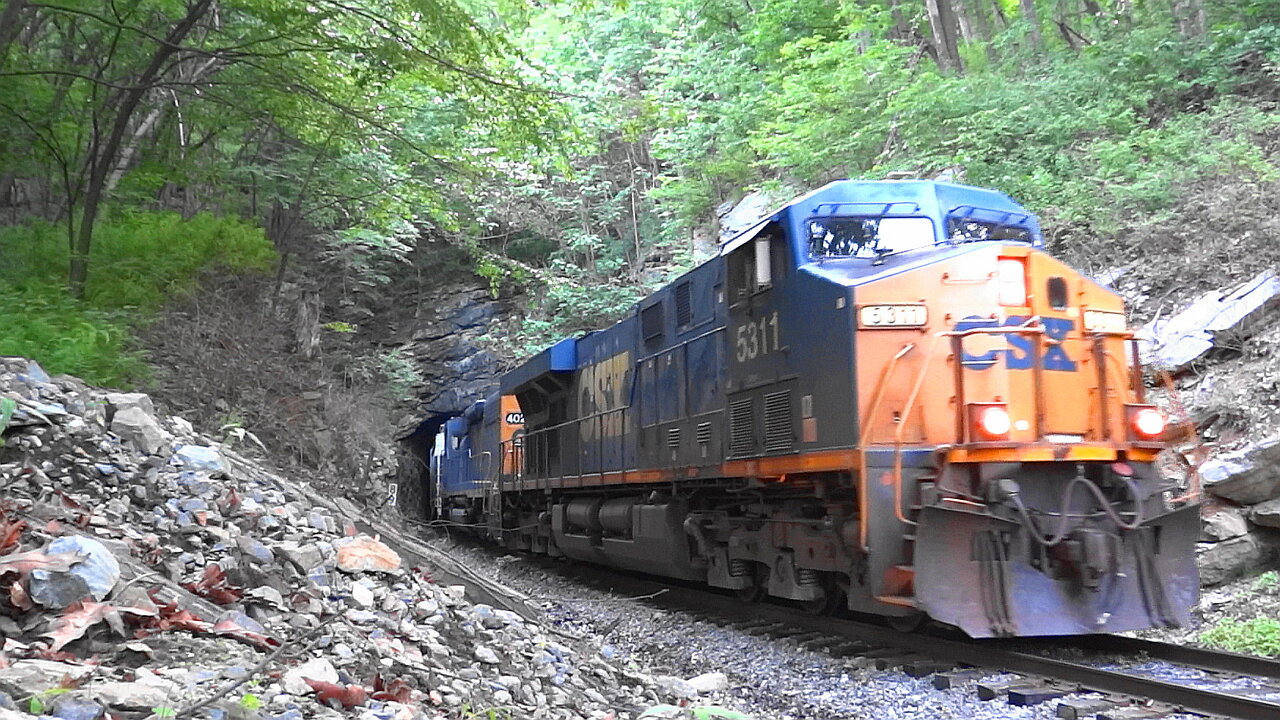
(1248, 476)
(446, 347)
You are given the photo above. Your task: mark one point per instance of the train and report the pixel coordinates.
(885, 397)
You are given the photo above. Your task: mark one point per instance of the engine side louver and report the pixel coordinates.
(704, 433)
(741, 428)
(684, 304)
(673, 437)
(778, 433)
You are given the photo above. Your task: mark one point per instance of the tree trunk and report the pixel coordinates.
(982, 28)
(942, 22)
(103, 157)
(965, 20)
(901, 30)
(10, 27)
(1033, 24)
(1190, 17)
(1000, 19)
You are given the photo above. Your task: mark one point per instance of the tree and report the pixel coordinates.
(942, 20)
(103, 87)
(1032, 19)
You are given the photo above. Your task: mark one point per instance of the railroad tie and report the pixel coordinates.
(1080, 708)
(1026, 696)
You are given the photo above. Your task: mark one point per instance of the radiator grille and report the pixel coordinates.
(673, 437)
(741, 427)
(778, 434)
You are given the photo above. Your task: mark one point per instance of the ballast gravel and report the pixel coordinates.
(768, 677)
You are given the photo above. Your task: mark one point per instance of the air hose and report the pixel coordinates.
(1061, 532)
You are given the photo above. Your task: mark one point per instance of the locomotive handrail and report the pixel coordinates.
(866, 434)
(902, 426)
(537, 444)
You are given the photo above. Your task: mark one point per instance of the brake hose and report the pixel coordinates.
(1061, 532)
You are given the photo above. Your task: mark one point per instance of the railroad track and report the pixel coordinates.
(1199, 682)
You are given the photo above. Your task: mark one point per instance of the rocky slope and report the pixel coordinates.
(146, 571)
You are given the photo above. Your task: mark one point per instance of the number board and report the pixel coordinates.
(897, 315)
(514, 418)
(1103, 321)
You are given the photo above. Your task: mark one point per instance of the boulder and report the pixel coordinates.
(1266, 514)
(709, 682)
(99, 568)
(672, 686)
(200, 458)
(1174, 342)
(1229, 559)
(295, 680)
(1224, 523)
(73, 707)
(129, 695)
(365, 554)
(26, 677)
(93, 575)
(303, 557)
(123, 401)
(1248, 476)
(135, 425)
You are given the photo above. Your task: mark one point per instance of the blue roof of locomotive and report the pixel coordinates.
(893, 198)
(885, 198)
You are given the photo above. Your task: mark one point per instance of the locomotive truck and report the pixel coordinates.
(885, 396)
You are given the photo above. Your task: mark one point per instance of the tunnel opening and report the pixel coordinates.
(413, 494)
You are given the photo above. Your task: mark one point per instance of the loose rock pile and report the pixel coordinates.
(146, 571)
(1242, 518)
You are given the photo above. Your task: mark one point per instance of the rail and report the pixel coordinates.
(944, 651)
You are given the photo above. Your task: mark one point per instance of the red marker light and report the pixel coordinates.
(994, 422)
(1147, 422)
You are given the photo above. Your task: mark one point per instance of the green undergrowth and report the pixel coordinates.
(1257, 636)
(138, 262)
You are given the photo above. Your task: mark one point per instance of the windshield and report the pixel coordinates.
(961, 230)
(869, 237)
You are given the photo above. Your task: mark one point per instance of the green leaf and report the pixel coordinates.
(7, 406)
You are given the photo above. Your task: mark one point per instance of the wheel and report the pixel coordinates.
(828, 603)
(906, 623)
(759, 587)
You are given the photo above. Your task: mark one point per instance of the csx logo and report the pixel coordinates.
(1018, 354)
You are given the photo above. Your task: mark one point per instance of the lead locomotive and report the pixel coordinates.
(884, 396)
